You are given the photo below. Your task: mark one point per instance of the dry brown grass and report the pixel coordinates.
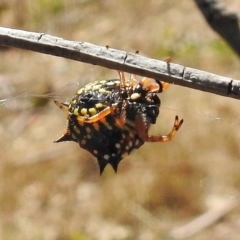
(54, 191)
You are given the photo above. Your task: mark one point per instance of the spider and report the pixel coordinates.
(110, 118)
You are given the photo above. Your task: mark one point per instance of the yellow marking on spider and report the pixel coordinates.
(98, 116)
(106, 157)
(92, 111)
(76, 129)
(88, 88)
(99, 105)
(117, 145)
(80, 91)
(135, 96)
(88, 129)
(116, 81)
(103, 90)
(74, 136)
(96, 87)
(110, 83)
(137, 142)
(84, 111)
(130, 144)
(89, 136)
(131, 135)
(76, 111)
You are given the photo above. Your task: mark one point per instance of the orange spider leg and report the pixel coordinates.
(153, 87)
(96, 117)
(121, 120)
(133, 77)
(122, 78)
(165, 85)
(145, 81)
(62, 106)
(142, 129)
(132, 80)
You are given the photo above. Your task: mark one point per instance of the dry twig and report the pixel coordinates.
(121, 60)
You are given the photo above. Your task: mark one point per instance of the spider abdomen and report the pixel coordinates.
(110, 118)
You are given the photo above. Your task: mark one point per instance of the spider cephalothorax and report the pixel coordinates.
(110, 118)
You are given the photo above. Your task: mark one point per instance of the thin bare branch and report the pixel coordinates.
(205, 220)
(121, 60)
(226, 24)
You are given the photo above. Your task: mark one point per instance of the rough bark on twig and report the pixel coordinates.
(121, 60)
(226, 24)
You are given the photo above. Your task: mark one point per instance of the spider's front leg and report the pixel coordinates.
(142, 129)
(169, 136)
(120, 116)
(153, 88)
(62, 106)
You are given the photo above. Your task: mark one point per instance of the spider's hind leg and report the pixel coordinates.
(142, 130)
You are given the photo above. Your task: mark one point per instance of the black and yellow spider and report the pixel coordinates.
(110, 118)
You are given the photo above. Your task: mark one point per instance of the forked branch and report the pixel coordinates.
(226, 24)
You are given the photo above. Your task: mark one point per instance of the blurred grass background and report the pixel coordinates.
(54, 191)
